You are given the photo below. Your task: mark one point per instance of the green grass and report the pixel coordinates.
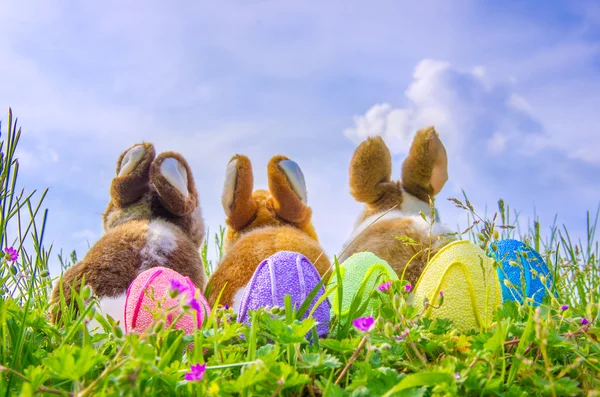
(528, 351)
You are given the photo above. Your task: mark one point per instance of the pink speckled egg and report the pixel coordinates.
(155, 283)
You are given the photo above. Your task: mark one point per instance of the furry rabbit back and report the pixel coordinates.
(262, 223)
(153, 219)
(424, 173)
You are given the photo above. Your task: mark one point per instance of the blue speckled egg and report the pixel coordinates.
(529, 267)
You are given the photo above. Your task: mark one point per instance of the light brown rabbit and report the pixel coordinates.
(261, 224)
(153, 219)
(424, 173)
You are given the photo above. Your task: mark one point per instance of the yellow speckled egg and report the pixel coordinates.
(469, 282)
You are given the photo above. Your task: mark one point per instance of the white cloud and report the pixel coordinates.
(384, 120)
(496, 145)
(210, 80)
(32, 159)
(427, 105)
(589, 154)
(27, 160)
(519, 103)
(464, 106)
(467, 109)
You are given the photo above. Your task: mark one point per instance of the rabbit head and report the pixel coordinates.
(285, 203)
(424, 174)
(153, 219)
(148, 186)
(261, 223)
(397, 202)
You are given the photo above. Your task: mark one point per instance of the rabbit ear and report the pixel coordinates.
(172, 177)
(425, 170)
(240, 208)
(370, 170)
(133, 174)
(288, 188)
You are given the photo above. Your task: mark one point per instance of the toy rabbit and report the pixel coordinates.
(261, 224)
(153, 219)
(424, 173)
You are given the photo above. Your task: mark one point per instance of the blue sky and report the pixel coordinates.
(513, 88)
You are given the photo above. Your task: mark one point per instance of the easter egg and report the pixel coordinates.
(151, 288)
(361, 267)
(521, 263)
(285, 273)
(471, 289)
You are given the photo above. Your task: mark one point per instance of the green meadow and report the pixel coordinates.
(548, 350)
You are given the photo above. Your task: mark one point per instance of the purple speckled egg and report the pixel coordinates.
(285, 273)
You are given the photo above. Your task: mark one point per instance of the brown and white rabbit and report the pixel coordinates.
(262, 223)
(153, 219)
(424, 173)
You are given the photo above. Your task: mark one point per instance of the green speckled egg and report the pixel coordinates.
(470, 284)
(355, 269)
